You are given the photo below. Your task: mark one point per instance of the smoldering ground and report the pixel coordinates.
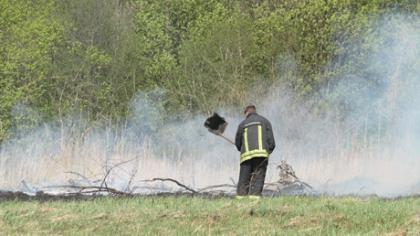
(359, 134)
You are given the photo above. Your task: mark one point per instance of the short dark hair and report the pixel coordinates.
(250, 107)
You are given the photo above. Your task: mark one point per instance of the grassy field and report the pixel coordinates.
(224, 216)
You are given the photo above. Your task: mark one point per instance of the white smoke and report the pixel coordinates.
(368, 139)
(360, 135)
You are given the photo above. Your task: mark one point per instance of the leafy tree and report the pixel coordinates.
(93, 57)
(29, 39)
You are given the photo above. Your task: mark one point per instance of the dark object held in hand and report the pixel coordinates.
(216, 124)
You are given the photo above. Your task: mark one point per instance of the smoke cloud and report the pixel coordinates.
(358, 135)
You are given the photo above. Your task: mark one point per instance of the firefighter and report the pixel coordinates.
(255, 140)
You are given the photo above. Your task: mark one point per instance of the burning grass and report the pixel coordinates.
(201, 216)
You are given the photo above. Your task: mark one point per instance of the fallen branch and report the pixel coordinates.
(110, 169)
(217, 186)
(174, 181)
(133, 174)
(94, 189)
(294, 182)
(79, 175)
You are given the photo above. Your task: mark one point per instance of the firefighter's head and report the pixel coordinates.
(249, 109)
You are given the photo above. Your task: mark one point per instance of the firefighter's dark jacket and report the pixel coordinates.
(254, 137)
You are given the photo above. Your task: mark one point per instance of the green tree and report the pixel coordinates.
(29, 39)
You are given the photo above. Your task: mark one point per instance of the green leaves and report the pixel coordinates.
(28, 42)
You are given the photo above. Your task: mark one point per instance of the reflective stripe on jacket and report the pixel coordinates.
(254, 137)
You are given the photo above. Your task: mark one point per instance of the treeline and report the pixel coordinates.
(91, 57)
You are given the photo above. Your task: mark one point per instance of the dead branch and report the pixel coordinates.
(307, 185)
(174, 181)
(26, 186)
(232, 180)
(217, 186)
(79, 175)
(133, 174)
(89, 189)
(110, 169)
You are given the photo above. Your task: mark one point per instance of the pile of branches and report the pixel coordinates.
(288, 183)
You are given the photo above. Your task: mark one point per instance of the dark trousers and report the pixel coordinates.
(252, 176)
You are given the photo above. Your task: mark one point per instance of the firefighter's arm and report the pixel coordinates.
(270, 138)
(238, 138)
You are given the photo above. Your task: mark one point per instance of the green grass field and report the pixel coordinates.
(223, 216)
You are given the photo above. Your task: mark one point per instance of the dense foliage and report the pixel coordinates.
(92, 57)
